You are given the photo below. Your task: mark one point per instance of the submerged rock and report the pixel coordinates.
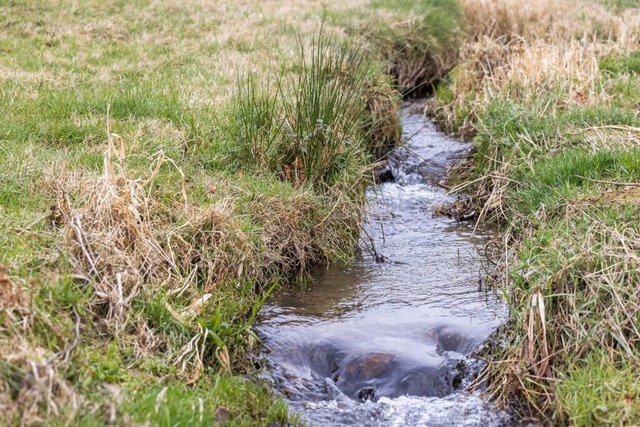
(384, 174)
(370, 377)
(431, 366)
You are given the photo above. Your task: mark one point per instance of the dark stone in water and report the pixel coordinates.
(369, 366)
(384, 174)
(436, 367)
(367, 393)
(372, 376)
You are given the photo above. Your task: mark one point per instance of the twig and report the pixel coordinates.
(68, 349)
(617, 183)
(614, 127)
(80, 237)
(377, 257)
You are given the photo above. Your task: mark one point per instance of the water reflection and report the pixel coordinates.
(331, 294)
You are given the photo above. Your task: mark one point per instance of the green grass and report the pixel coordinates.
(553, 182)
(208, 151)
(515, 133)
(616, 65)
(226, 400)
(605, 393)
(622, 4)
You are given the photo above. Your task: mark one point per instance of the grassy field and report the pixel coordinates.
(163, 167)
(549, 92)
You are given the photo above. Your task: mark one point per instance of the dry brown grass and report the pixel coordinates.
(547, 19)
(112, 238)
(612, 136)
(517, 50)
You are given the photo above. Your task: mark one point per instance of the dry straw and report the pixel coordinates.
(517, 50)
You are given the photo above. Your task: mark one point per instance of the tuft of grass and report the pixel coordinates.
(255, 124)
(621, 64)
(321, 125)
(605, 393)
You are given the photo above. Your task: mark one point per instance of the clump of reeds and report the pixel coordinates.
(320, 125)
(382, 127)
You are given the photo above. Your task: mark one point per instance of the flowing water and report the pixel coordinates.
(388, 340)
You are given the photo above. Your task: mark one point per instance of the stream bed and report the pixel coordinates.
(389, 339)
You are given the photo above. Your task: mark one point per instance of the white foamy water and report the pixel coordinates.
(391, 343)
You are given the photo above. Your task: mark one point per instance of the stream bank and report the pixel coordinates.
(549, 93)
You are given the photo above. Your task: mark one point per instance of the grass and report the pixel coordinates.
(621, 64)
(577, 264)
(163, 168)
(569, 175)
(297, 127)
(612, 394)
(548, 93)
(420, 40)
(206, 404)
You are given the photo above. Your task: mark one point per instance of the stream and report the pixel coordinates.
(389, 339)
